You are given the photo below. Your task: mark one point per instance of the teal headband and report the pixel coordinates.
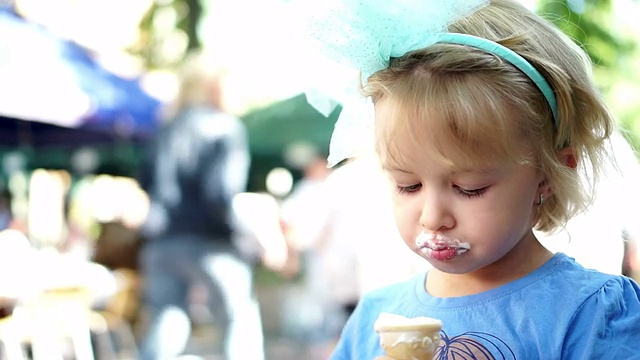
(512, 57)
(366, 35)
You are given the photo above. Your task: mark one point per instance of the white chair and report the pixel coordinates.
(56, 315)
(11, 336)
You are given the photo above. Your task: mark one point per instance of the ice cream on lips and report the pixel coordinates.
(439, 247)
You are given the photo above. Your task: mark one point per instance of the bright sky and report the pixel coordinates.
(269, 55)
(268, 58)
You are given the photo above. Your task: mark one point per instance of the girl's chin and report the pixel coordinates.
(458, 265)
(452, 269)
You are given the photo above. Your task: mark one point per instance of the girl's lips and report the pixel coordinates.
(439, 247)
(440, 255)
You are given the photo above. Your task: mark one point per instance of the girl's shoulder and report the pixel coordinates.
(587, 282)
(606, 325)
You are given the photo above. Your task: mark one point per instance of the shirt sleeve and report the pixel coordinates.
(607, 325)
(344, 348)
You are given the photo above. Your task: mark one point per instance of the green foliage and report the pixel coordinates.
(589, 28)
(591, 24)
(165, 22)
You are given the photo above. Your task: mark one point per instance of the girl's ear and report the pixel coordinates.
(567, 156)
(544, 192)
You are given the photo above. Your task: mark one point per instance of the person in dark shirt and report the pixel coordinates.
(198, 162)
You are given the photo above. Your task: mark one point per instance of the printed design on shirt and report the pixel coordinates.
(473, 346)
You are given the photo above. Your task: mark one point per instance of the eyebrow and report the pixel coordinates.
(453, 170)
(387, 167)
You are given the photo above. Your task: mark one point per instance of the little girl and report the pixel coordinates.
(483, 127)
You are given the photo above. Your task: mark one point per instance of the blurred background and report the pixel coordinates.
(83, 88)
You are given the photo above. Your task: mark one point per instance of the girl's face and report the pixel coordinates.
(460, 219)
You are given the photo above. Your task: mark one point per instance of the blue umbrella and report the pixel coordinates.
(54, 81)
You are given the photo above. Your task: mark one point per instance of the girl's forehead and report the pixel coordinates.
(451, 161)
(404, 155)
(412, 135)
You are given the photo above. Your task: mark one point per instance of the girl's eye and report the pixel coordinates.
(470, 192)
(408, 189)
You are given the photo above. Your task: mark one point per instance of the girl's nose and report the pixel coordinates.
(436, 212)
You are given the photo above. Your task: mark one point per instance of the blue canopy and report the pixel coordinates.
(54, 81)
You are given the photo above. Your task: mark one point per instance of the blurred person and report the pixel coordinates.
(259, 236)
(631, 260)
(6, 214)
(322, 254)
(341, 222)
(198, 162)
(8, 219)
(304, 209)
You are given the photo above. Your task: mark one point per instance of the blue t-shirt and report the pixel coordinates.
(559, 311)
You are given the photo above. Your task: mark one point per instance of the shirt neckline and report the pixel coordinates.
(423, 297)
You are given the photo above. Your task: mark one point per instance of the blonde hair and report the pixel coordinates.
(479, 101)
(200, 82)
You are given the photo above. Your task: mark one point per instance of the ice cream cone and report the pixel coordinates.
(408, 338)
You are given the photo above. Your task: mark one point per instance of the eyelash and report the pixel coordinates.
(470, 193)
(408, 189)
(464, 192)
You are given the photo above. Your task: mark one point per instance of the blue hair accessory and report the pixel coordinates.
(366, 35)
(512, 57)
